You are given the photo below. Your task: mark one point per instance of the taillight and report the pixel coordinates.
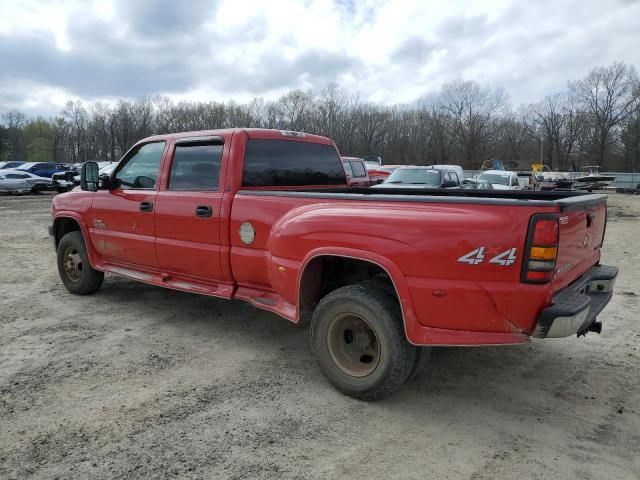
(541, 249)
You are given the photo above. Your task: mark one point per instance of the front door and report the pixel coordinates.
(122, 219)
(188, 211)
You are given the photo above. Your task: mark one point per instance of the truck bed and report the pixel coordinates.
(566, 200)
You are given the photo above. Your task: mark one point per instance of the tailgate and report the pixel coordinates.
(582, 226)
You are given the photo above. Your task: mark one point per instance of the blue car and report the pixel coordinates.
(41, 169)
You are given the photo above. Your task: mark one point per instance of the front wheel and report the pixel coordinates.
(358, 340)
(76, 273)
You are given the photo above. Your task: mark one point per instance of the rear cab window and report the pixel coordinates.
(358, 169)
(291, 163)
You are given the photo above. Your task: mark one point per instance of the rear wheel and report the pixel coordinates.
(359, 343)
(76, 273)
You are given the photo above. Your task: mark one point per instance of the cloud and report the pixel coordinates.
(228, 49)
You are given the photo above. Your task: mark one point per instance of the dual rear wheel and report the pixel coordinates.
(358, 340)
(357, 333)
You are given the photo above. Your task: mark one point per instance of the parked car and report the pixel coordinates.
(105, 168)
(36, 184)
(380, 174)
(41, 169)
(421, 177)
(65, 181)
(357, 175)
(11, 183)
(455, 168)
(8, 165)
(501, 179)
(476, 184)
(382, 272)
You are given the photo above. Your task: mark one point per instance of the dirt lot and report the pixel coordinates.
(136, 381)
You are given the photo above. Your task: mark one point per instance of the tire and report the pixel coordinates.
(76, 273)
(62, 189)
(422, 358)
(358, 340)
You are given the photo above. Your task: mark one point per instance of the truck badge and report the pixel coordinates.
(476, 257)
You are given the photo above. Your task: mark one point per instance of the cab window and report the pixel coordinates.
(358, 169)
(140, 170)
(196, 167)
(348, 169)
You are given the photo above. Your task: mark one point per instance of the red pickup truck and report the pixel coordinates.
(266, 216)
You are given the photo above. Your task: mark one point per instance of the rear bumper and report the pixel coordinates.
(574, 309)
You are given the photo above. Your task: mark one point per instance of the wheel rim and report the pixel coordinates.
(353, 345)
(72, 263)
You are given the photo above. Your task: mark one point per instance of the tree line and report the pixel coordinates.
(595, 120)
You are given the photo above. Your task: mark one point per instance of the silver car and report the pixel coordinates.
(12, 183)
(34, 183)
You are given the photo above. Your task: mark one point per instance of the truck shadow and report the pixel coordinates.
(494, 376)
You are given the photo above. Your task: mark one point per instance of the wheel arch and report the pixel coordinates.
(66, 222)
(309, 273)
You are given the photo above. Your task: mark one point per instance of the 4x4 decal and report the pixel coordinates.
(477, 256)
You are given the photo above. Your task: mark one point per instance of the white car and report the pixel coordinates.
(455, 168)
(105, 168)
(501, 179)
(34, 183)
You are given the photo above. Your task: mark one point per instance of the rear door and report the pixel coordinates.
(122, 219)
(582, 225)
(188, 210)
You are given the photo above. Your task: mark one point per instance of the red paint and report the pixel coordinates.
(444, 301)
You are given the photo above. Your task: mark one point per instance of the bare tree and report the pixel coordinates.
(465, 123)
(608, 95)
(473, 109)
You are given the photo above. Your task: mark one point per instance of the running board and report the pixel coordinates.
(174, 282)
(258, 298)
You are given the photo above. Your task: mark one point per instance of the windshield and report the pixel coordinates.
(497, 179)
(415, 176)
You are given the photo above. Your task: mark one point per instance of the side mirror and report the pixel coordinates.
(89, 173)
(106, 183)
(379, 181)
(449, 184)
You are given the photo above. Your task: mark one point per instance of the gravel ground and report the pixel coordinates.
(140, 382)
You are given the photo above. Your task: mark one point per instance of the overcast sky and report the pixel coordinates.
(52, 51)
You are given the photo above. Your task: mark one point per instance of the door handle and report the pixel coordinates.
(204, 211)
(146, 206)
